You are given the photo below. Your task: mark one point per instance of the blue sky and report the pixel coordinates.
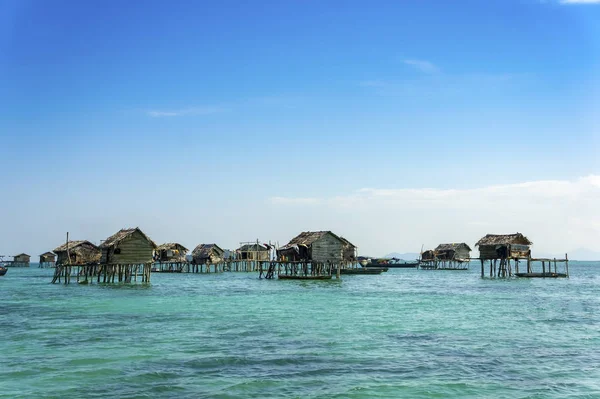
(229, 121)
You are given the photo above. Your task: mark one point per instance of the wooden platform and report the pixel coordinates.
(542, 275)
(284, 277)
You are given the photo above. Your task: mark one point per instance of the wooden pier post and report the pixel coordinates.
(544, 268)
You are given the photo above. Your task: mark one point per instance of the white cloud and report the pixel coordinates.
(557, 215)
(422, 65)
(184, 112)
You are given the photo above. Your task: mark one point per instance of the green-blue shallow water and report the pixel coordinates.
(404, 334)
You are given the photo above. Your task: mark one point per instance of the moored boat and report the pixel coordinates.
(364, 270)
(3, 268)
(392, 263)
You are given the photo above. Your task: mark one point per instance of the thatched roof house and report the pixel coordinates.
(171, 252)
(127, 246)
(318, 246)
(47, 257)
(498, 246)
(21, 259)
(253, 252)
(428, 255)
(207, 254)
(459, 252)
(81, 252)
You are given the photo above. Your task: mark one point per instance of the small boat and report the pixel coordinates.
(392, 263)
(364, 270)
(286, 277)
(3, 268)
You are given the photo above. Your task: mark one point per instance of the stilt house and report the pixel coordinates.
(428, 255)
(171, 252)
(80, 252)
(21, 260)
(127, 247)
(504, 246)
(253, 252)
(318, 246)
(207, 254)
(47, 259)
(453, 252)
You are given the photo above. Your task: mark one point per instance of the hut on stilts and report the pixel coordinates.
(427, 260)
(170, 257)
(207, 258)
(120, 258)
(20, 260)
(452, 256)
(250, 257)
(125, 254)
(47, 259)
(76, 255)
(502, 249)
(253, 251)
(315, 255)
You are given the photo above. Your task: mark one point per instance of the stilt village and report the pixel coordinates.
(130, 256)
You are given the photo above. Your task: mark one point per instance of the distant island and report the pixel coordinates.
(408, 256)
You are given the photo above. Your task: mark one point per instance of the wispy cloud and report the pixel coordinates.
(421, 65)
(448, 86)
(184, 112)
(558, 215)
(580, 1)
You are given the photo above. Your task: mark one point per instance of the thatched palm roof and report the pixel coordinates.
(252, 247)
(72, 245)
(48, 254)
(345, 241)
(451, 247)
(80, 252)
(122, 234)
(21, 254)
(504, 239)
(203, 251)
(171, 246)
(308, 237)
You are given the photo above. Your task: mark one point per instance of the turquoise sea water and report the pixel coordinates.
(404, 334)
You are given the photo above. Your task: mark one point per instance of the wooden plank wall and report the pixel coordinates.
(135, 249)
(489, 252)
(461, 253)
(327, 248)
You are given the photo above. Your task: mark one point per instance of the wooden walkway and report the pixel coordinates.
(534, 267)
(87, 274)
